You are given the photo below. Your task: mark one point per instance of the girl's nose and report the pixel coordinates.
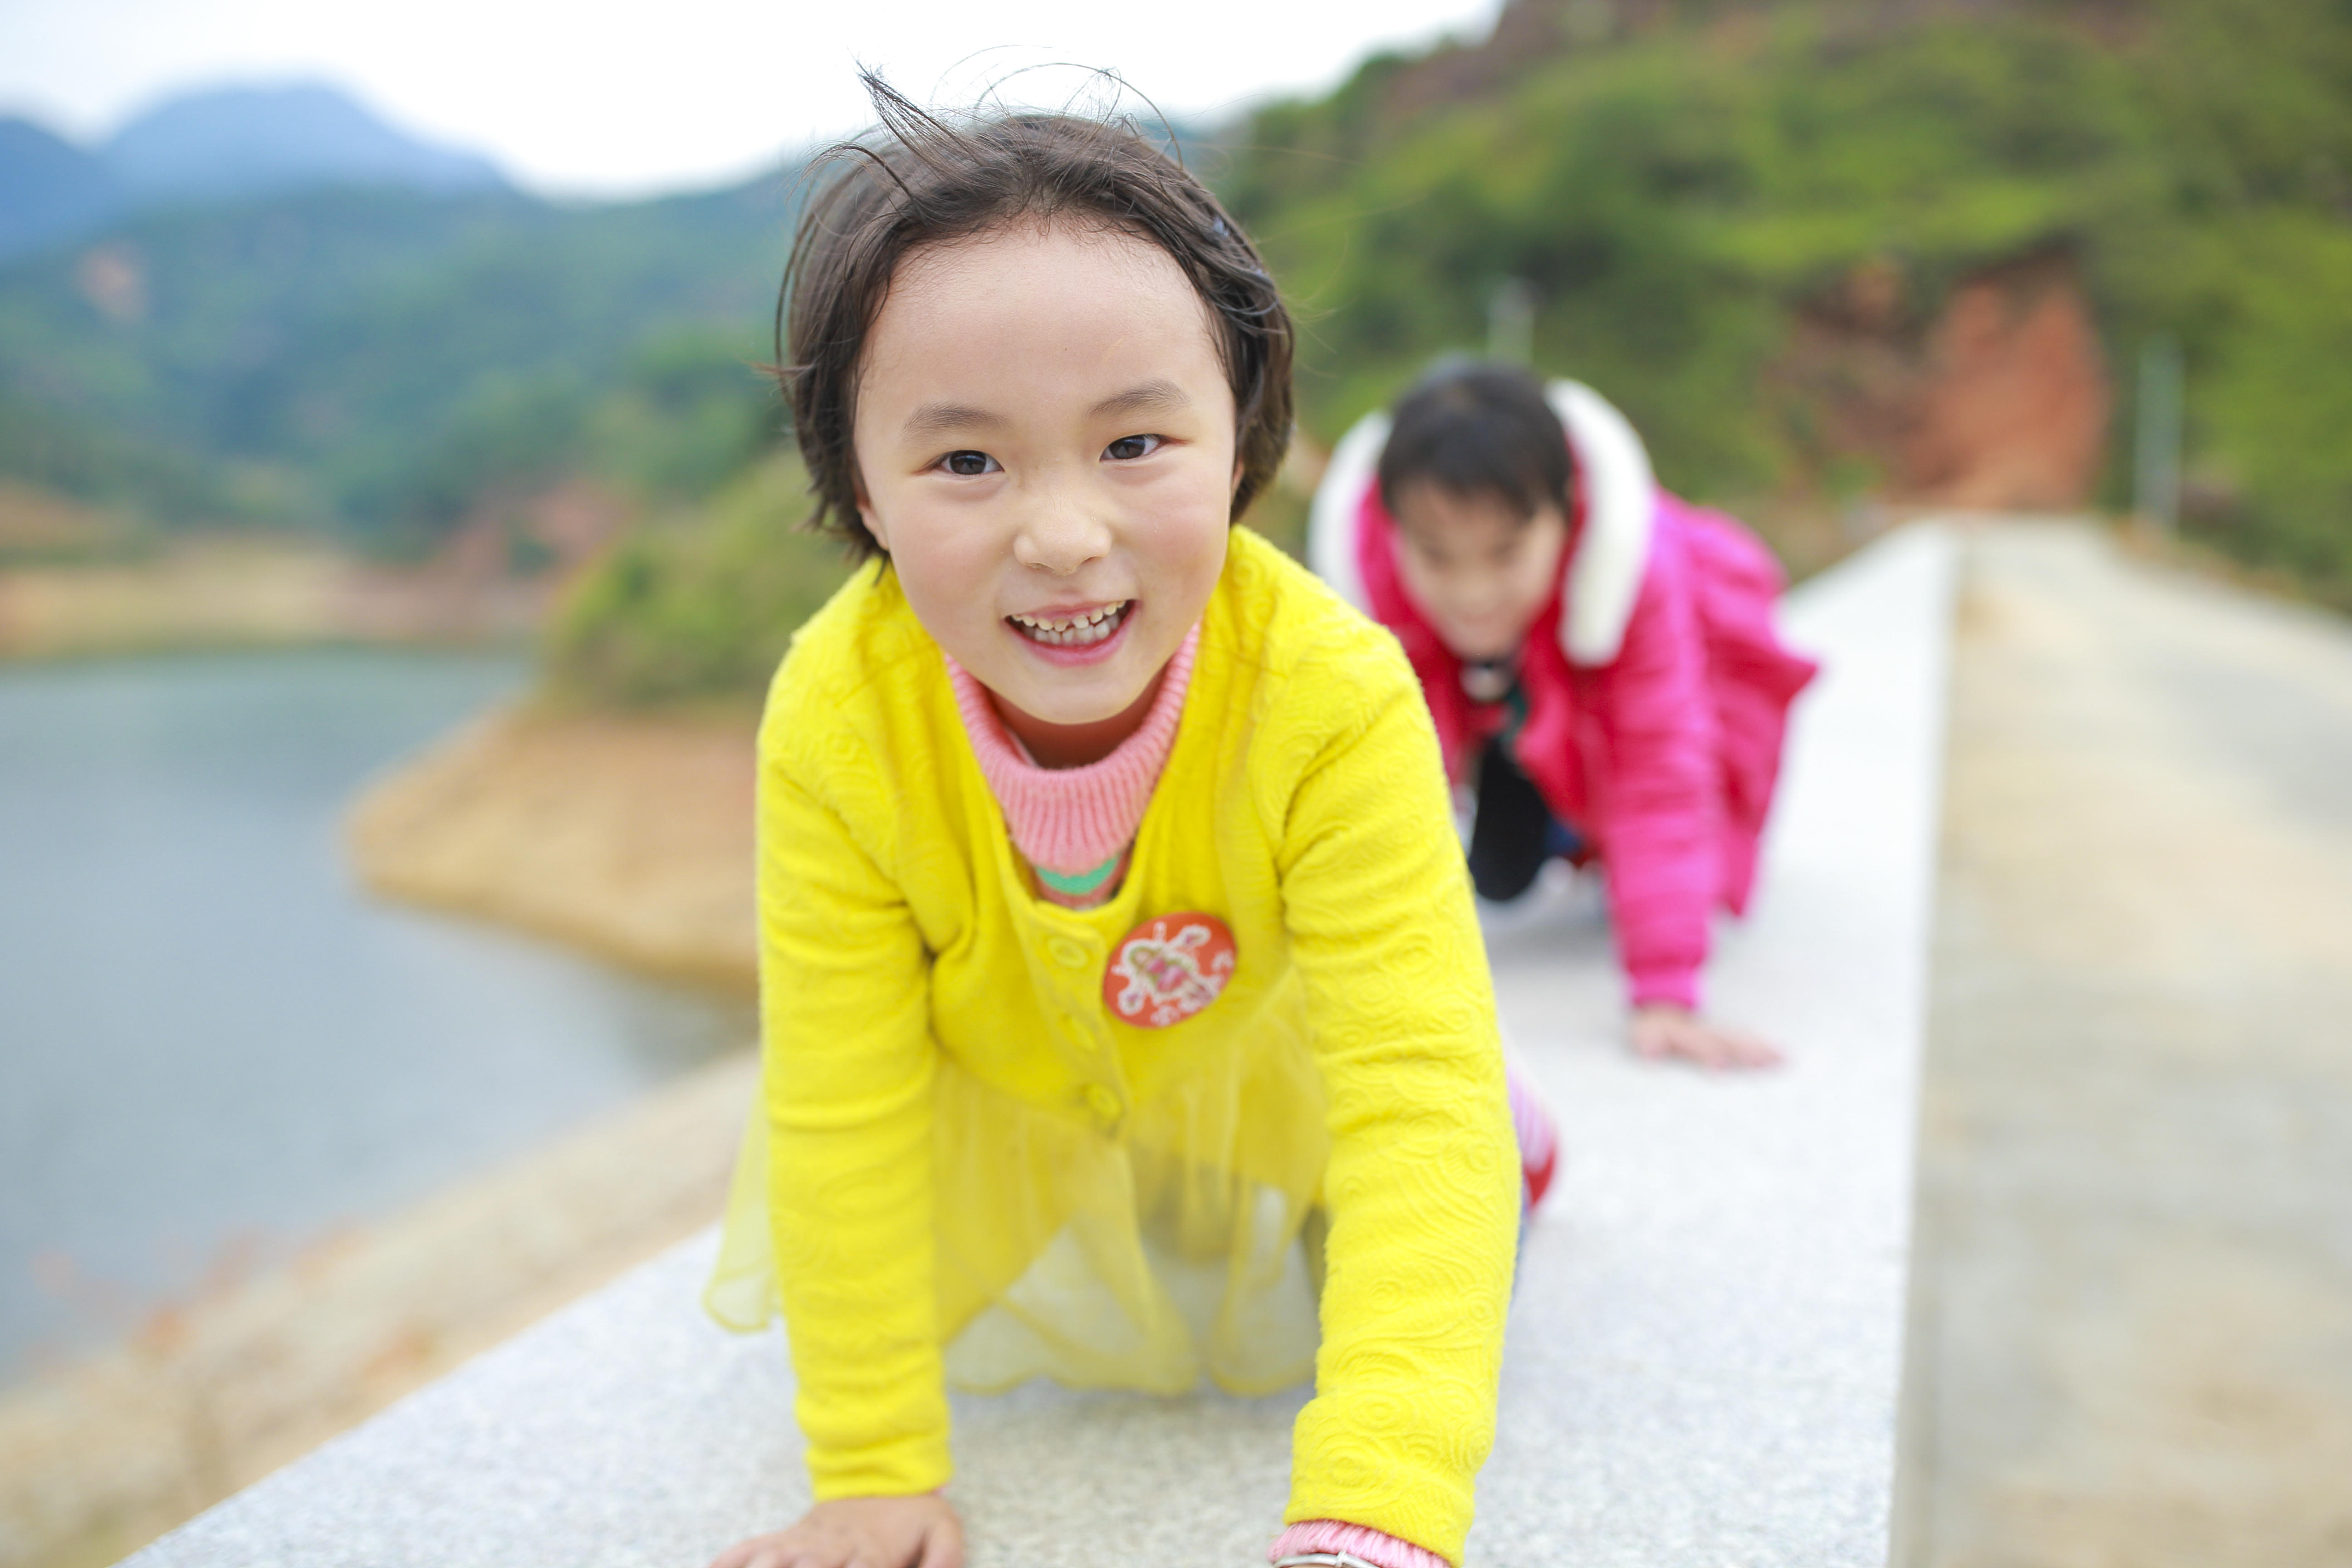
(1060, 535)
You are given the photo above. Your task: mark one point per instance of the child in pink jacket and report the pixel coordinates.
(1599, 656)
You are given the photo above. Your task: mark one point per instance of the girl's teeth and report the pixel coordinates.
(1081, 631)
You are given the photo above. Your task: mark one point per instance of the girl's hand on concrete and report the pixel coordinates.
(1663, 1032)
(859, 1532)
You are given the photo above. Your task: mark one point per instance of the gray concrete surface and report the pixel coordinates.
(2132, 1328)
(1705, 1346)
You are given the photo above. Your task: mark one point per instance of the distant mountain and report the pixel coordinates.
(267, 142)
(228, 144)
(48, 187)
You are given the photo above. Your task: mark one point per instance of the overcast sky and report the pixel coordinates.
(624, 99)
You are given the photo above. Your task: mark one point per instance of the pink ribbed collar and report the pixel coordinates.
(1069, 821)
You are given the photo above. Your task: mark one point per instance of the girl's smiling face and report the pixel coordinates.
(1046, 446)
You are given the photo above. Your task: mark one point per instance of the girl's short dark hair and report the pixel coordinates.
(1476, 428)
(921, 181)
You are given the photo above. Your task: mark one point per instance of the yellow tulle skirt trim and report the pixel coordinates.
(1182, 1245)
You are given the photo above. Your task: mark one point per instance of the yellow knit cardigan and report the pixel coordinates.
(956, 1134)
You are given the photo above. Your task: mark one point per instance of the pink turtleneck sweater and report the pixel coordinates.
(1076, 826)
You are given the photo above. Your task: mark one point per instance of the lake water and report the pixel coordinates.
(212, 1041)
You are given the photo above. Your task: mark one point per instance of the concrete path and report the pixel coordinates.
(1704, 1350)
(2132, 1340)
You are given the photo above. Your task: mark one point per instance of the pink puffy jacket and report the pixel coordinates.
(1658, 690)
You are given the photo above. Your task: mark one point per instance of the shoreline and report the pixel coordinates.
(627, 836)
(234, 592)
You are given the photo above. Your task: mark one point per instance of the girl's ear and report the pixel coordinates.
(865, 512)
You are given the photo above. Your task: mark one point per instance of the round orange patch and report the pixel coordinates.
(1169, 968)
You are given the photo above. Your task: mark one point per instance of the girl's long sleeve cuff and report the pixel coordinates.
(1380, 1550)
(1673, 984)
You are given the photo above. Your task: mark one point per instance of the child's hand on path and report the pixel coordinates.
(859, 1532)
(1663, 1032)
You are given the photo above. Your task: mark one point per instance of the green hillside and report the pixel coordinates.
(1679, 193)
(1676, 194)
(1680, 184)
(372, 363)
(696, 607)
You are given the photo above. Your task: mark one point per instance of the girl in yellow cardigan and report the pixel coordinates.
(1124, 1008)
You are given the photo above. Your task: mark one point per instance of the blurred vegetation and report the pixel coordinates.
(368, 363)
(1678, 189)
(696, 608)
(1675, 197)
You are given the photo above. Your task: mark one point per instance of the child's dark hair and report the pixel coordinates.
(923, 181)
(1474, 430)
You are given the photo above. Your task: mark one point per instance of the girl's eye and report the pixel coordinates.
(1127, 446)
(970, 465)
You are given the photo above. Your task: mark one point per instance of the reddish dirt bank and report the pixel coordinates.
(1998, 402)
